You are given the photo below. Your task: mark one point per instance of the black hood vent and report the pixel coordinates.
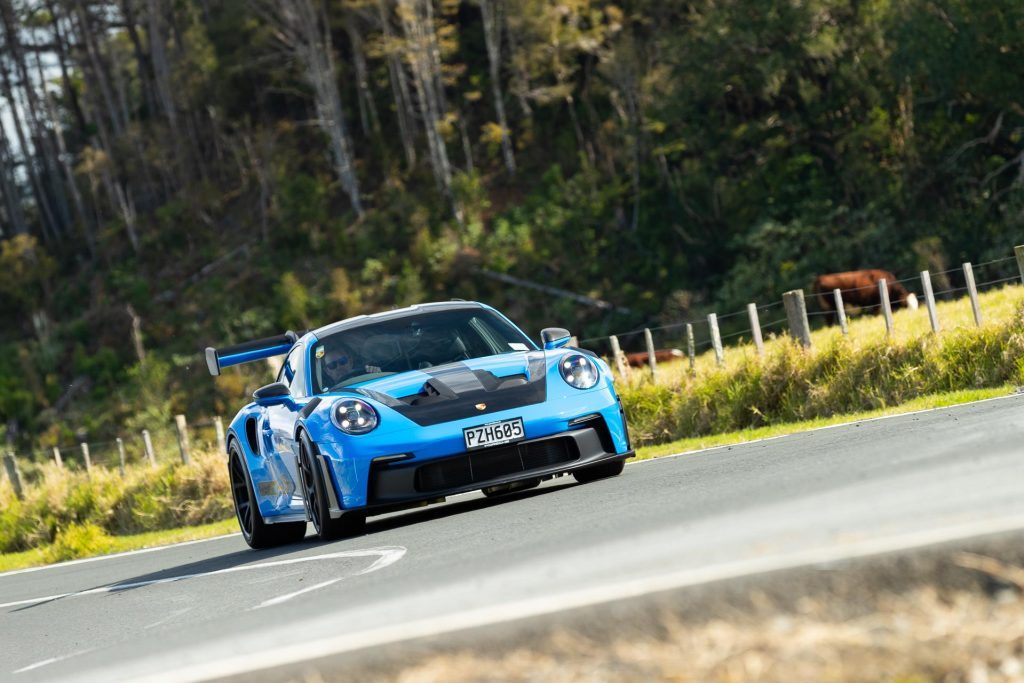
(455, 392)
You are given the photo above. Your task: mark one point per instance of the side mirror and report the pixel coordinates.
(272, 394)
(554, 337)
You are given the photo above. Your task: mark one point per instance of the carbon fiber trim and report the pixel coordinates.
(462, 392)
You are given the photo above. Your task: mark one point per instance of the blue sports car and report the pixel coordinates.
(393, 410)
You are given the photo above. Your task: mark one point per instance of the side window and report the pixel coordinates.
(291, 372)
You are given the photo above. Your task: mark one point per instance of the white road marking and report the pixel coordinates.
(237, 665)
(386, 555)
(51, 660)
(172, 615)
(114, 556)
(383, 561)
(821, 429)
(288, 596)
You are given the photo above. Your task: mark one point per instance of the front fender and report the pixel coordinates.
(276, 490)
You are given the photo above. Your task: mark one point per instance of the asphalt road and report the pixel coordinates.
(215, 608)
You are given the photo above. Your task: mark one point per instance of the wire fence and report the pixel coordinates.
(153, 446)
(166, 443)
(819, 308)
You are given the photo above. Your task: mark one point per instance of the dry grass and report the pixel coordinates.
(839, 375)
(921, 636)
(74, 514)
(928, 633)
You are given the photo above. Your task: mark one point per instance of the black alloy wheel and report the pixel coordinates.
(256, 532)
(314, 487)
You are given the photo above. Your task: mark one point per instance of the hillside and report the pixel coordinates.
(179, 174)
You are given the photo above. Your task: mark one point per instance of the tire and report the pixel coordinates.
(503, 489)
(257, 533)
(314, 490)
(612, 468)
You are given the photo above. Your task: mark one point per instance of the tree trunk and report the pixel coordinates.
(425, 80)
(9, 187)
(491, 12)
(367, 109)
(65, 161)
(62, 58)
(143, 64)
(98, 68)
(48, 222)
(305, 33)
(399, 88)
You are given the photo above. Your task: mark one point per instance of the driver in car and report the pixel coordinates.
(338, 364)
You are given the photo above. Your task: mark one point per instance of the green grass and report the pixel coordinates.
(91, 541)
(697, 443)
(71, 512)
(865, 371)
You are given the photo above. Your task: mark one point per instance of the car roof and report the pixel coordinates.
(409, 311)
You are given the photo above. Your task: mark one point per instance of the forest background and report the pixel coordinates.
(182, 173)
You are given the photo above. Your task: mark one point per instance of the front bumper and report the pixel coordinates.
(392, 482)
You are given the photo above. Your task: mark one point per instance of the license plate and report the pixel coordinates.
(493, 434)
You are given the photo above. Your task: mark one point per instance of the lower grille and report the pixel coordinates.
(492, 463)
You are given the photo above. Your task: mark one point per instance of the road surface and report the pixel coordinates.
(216, 608)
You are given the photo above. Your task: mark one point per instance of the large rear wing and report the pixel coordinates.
(247, 352)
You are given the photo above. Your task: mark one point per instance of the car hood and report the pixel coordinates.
(467, 375)
(472, 387)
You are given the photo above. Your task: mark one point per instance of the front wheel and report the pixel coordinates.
(612, 468)
(314, 488)
(257, 533)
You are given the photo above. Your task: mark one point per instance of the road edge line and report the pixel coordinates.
(542, 606)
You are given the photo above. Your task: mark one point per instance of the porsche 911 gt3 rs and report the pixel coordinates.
(381, 412)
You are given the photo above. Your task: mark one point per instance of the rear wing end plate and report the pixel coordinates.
(247, 352)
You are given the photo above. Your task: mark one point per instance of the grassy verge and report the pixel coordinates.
(865, 371)
(66, 514)
(96, 542)
(696, 443)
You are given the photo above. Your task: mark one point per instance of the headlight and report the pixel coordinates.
(578, 371)
(353, 416)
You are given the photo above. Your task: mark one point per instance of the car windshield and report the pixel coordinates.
(414, 342)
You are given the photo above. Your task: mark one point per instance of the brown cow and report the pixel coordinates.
(860, 289)
(640, 359)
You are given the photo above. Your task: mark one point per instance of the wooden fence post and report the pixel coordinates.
(929, 300)
(218, 427)
(150, 453)
(755, 328)
(716, 338)
(85, 457)
(620, 364)
(186, 451)
(796, 313)
(651, 359)
(14, 474)
(120, 456)
(972, 291)
(883, 291)
(691, 348)
(56, 457)
(837, 294)
(1019, 253)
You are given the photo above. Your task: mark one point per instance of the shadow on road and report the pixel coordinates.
(389, 522)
